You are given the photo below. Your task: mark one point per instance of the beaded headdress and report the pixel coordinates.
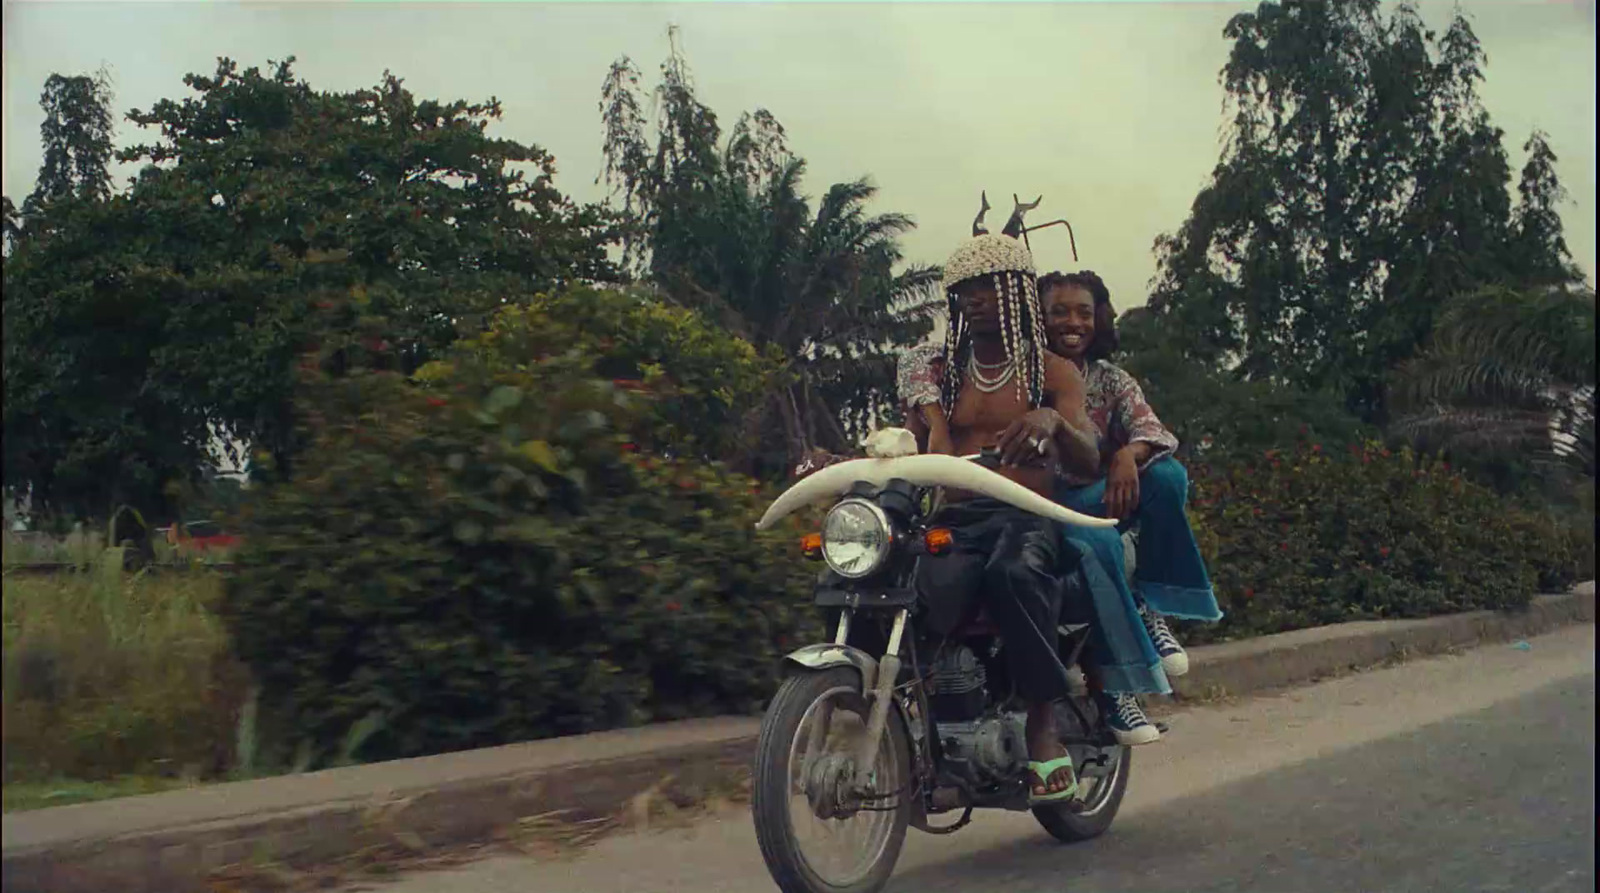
(1009, 263)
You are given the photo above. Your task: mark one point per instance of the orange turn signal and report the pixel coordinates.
(811, 545)
(938, 540)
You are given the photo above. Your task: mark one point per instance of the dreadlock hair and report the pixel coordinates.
(1021, 331)
(1105, 341)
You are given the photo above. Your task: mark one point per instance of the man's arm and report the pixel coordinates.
(1140, 451)
(1074, 437)
(1064, 421)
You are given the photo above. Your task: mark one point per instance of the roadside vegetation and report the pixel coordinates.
(503, 479)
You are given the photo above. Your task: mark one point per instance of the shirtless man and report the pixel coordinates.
(1002, 389)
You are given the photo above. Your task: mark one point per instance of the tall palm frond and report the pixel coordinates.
(1507, 371)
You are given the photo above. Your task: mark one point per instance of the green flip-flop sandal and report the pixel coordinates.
(1043, 771)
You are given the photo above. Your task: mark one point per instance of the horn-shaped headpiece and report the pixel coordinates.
(1014, 225)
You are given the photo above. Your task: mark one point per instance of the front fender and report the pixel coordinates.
(826, 656)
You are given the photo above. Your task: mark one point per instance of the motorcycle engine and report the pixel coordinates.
(985, 751)
(956, 689)
(980, 749)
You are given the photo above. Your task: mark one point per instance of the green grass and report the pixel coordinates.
(24, 795)
(84, 548)
(121, 682)
(81, 548)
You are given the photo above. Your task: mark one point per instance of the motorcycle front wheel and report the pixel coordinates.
(817, 834)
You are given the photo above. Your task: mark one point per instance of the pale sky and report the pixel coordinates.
(1111, 110)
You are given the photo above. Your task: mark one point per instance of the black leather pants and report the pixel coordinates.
(1011, 560)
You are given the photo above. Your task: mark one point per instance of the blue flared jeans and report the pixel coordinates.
(1169, 577)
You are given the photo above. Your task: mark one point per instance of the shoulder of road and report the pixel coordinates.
(172, 841)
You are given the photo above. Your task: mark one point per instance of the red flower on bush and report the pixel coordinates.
(687, 484)
(673, 607)
(1316, 448)
(630, 448)
(436, 401)
(1384, 551)
(1249, 593)
(1283, 547)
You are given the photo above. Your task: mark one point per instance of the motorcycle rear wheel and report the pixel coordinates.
(1096, 809)
(777, 771)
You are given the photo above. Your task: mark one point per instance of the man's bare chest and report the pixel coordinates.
(978, 412)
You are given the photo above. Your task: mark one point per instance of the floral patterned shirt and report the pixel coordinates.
(1116, 407)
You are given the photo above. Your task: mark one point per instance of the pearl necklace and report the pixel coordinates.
(985, 383)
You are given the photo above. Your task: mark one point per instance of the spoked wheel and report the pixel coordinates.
(1102, 781)
(818, 832)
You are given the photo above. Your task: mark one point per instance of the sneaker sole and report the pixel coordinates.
(1141, 735)
(1175, 664)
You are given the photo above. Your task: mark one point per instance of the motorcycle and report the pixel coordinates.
(854, 749)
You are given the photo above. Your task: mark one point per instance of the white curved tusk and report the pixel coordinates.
(927, 470)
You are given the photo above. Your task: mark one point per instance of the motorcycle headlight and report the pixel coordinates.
(856, 538)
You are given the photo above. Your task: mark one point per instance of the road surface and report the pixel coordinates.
(1465, 773)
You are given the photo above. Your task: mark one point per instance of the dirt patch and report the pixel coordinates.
(675, 801)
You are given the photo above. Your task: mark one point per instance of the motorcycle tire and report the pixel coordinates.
(771, 791)
(1069, 826)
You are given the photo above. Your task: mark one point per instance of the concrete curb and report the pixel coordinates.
(1250, 666)
(170, 842)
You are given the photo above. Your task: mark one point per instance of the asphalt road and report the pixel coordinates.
(1465, 773)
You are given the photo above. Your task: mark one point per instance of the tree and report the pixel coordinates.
(77, 139)
(722, 226)
(1508, 372)
(1537, 232)
(1362, 184)
(270, 218)
(1212, 414)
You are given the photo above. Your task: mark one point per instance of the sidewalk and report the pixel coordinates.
(168, 842)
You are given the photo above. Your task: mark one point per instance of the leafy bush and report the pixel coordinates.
(491, 559)
(1301, 538)
(107, 675)
(701, 381)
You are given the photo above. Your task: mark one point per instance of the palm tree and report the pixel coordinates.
(726, 229)
(1508, 371)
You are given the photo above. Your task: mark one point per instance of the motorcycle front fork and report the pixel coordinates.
(882, 694)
